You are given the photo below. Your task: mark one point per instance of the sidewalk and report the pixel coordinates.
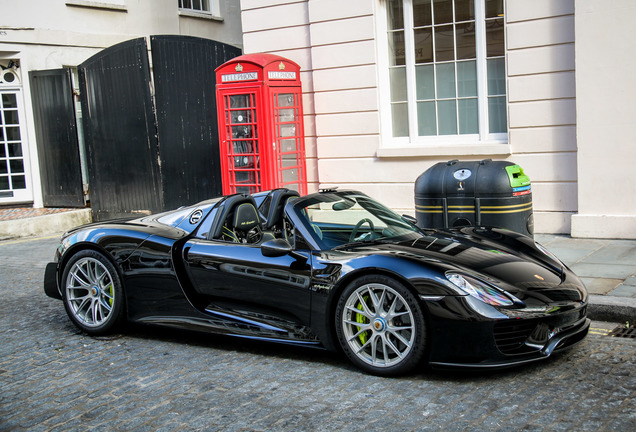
(29, 222)
(607, 267)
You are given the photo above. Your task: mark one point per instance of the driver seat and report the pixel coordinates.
(239, 221)
(246, 224)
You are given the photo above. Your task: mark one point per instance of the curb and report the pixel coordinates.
(612, 309)
(44, 224)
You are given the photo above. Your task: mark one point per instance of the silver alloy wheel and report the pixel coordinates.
(378, 325)
(90, 292)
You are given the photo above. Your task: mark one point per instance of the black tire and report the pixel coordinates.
(92, 293)
(381, 326)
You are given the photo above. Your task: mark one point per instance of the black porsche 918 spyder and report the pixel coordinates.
(334, 270)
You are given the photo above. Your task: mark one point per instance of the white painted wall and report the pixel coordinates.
(542, 105)
(282, 27)
(606, 118)
(337, 44)
(69, 24)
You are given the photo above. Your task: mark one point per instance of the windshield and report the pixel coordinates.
(343, 218)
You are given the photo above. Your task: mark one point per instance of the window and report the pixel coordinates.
(447, 69)
(195, 5)
(13, 163)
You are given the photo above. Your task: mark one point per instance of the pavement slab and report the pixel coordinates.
(623, 290)
(613, 253)
(600, 286)
(609, 271)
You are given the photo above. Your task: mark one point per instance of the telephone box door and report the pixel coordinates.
(242, 146)
(289, 140)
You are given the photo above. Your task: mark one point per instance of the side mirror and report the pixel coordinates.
(409, 219)
(276, 248)
(280, 247)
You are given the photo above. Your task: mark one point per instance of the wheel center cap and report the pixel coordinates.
(379, 324)
(94, 291)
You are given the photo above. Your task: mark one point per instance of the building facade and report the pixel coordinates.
(43, 35)
(392, 87)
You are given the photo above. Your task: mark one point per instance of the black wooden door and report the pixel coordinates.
(56, 134)
(120, 131)
(183, 70)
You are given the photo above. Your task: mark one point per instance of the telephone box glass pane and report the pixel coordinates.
(240, 101)
(288, 145)
(289, 171)
(287, 115)
(286, 100)
(287, 130)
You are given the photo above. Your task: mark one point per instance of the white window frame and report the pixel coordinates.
(26, 194)
(213, 14)
(211, 4)
(483, 143)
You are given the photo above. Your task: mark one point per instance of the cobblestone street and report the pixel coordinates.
(53, 377)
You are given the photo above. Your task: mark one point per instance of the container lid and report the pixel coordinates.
(517, 176)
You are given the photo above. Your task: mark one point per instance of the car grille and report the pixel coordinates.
(559, 295)
(511, 335)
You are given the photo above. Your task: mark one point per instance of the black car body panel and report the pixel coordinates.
(176, 273)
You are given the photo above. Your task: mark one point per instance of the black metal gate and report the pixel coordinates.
(56, 134)
(139, 162)
(120, 131)
(183, 70)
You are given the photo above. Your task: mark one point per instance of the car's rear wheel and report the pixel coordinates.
(92, 292)
(380, 326)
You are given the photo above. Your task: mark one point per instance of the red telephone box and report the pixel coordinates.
(261, 131)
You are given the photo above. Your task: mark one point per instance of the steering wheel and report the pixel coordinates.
(357, 227)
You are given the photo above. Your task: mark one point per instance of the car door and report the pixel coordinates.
(243, 285)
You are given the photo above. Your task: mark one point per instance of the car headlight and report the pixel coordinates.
(480, 290)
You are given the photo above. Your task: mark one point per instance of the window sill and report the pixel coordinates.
(97, 5)
(481, 149)
(200, 15)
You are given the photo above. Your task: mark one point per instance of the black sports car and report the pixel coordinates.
(335, 270)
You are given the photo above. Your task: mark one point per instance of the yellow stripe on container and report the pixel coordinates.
(516, 208)
(519, 210)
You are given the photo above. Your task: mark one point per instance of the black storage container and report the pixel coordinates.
(479, 193)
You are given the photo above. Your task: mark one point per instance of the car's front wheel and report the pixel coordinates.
(380, 326)
(92, 293)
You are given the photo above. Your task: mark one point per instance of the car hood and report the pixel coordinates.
(503, 258)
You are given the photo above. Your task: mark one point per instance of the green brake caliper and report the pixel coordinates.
(111, 294)
(362, 320)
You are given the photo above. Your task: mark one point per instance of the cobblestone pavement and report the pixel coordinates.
(53, 377)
